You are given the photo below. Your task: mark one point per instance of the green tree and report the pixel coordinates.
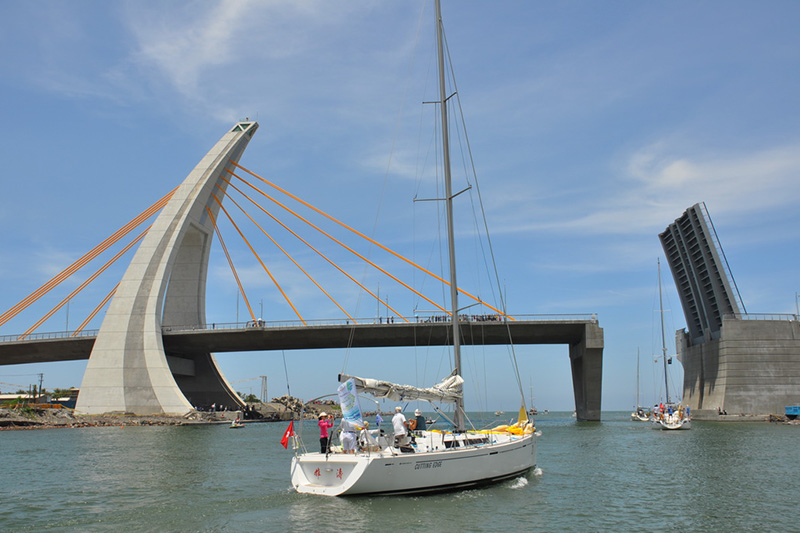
(251, 398)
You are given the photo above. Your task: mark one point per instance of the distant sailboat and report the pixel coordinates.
(669, 416)
(640, 413)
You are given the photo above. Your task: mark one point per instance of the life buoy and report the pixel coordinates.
(412, 424)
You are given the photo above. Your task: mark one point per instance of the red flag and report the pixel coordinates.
(288, 433)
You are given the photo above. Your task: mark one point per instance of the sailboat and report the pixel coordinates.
(640, 413)
(670, 416)
(431, 460)
(532, 411)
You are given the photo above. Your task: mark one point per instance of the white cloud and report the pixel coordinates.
(657, 184)
(183, 51)
(202, 50)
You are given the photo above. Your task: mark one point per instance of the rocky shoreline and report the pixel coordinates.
(27, 418)
(15, 419)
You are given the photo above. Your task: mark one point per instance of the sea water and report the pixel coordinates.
(614, 475)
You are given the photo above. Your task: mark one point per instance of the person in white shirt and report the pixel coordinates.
(348, 437)
(400, 426)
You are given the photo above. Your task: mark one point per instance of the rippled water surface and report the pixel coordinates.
(614, 475)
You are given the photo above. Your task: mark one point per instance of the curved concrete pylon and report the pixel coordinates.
(165, 284)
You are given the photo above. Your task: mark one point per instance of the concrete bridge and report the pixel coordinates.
(137, 365)
(584, 337)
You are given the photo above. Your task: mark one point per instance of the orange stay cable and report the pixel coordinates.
(349, 249)
(410, 262)
(287, 228)
(233, 268)
(288, 255)
(84, 260)
(259, 259)
(83, 285)
(94, 252)
(96, 310)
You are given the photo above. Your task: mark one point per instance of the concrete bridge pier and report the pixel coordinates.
(586, 360)
(129, 370)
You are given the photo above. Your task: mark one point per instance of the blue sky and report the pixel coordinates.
(592, 126)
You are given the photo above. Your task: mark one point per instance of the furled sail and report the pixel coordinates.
(448, 390)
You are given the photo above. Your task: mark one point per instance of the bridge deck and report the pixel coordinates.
(177, 341)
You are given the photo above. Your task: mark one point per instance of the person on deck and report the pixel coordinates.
(420, 421)
(325, 423)
(400, 426)
(348, 437)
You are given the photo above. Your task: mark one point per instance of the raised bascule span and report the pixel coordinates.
(733, 361)
(129, 369)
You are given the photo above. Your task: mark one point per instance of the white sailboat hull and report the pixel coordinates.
(392, 472)
(672, 423)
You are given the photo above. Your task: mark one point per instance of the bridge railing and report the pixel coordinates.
(49, 335)
(419, 319)
(762, 316)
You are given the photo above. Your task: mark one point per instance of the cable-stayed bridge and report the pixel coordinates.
(153, 351)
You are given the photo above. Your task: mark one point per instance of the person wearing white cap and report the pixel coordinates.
(399, 425)
(325, 423)
(348, 436)
(421, 426)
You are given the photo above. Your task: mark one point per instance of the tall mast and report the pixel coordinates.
(637, 379)
(663, 339)
(458, 418)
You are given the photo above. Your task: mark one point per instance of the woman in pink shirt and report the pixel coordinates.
(325, 422)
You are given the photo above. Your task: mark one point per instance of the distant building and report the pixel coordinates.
(733, 361)
(67, 399)
(23, 396)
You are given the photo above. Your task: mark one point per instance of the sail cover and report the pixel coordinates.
(448, 391)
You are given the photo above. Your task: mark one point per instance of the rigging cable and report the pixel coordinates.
(512, 354)
(86, 258)
(298, 236)
(286, 372)
(342, 224)
(341, 244)
(284, 251)
(259, 259)
(96, 310)
(233, 268)
(85, 283)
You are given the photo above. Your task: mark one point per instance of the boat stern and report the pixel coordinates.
(331, 475)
